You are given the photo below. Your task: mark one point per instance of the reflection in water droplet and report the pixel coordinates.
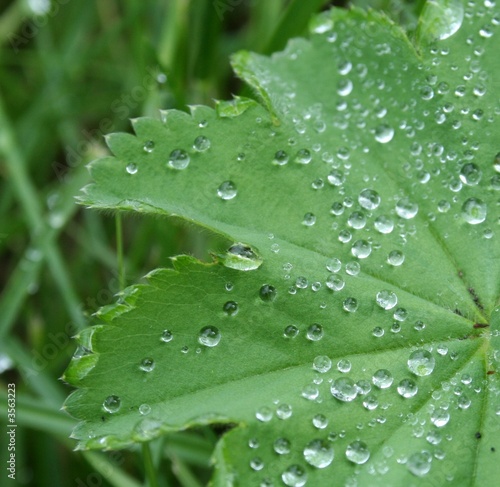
(268, 293)
(384, 133)
(474, 211)
(291, 331)
(350, 305)
(280, 158)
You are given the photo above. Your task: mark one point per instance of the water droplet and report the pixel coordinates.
(361, 249)
(344, 389)
(147, 365)
(350, 305)
(178, 159)
(370, 402)
(315, 332)
(383, 224)
(335, 282)
(378, 332)
(357, 452)
(406, 209)
(322, 364)
(291, 331)
(474, 211)
(352, 268)
(386, 299)
(264, 414)
(131, 168)
(230, 308)
(357, 220)
(309, 219)
(382, 379)
(440, 417)
(470, 174)
(344, 366)
(407, 388)
(384, 133)
(395, 258)
(294, 476)
(440, 21)
(149, 146)
(333, 265)
(209, 336)
(336, 177)
(166, 336)
(112, 404)
(318, 453)
(400, 314)
(364, 387)
(320, 421)
(227, 190)
(268, 293)
(201, 143)
(344, 87)
(144, 409)
(421, 362)
(419, 463)
(280, 158)
(284, 411)
(256, 464)
(282, 446)
(253, 443)
(369, 199)
(241, 257)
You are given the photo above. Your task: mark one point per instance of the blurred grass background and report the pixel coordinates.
(70, 72)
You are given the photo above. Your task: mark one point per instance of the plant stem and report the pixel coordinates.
(148, 466)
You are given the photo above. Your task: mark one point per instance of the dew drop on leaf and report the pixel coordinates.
(474, 211)
(264, 414)
(280, 158)
(166, 336)
(227, 190)
(314, 332)
(333, 265)
(268, 293)
(406, 209)
(230, 308)
(309, 219)
(383, 224)
(256, 464)
(470, 174)
(344, 366)
(291, 331)
(421, 362)
(320, 421)
(344, 389)
(201, 143)
(178, 159)
(386, 299)
(147, 364)
(294, 476)
(149, 146)
(318, 453)
(132, 168)
(382, 378)
(350, 305)
(322, 364)
(369, 199)
(440, 417)
(112, 404)
(284, 411)
(407, 388)
(395, 258)
(282, 446)
(419, 463)
(144, 409)
(384, 133)
(357, 452)
(209, 336)
(335, 282)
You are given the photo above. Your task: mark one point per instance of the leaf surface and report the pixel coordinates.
(363, 194)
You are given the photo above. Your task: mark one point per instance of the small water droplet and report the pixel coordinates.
(315, 332)
(309, 219)
(333, 265)
(149, 146)
(264, 414)
(201, 143)
(400, 314)
(112, 404)
(357, 452)
(384, 133)
(178, 159)
(291, 331)
(370, 402)
(383, 224)
(322, 364)
(268, 293)
(470, 174)
(344, 365)
(320, 421)
(209, 336)
(406, 209)
(230, 308)
(284, 411)
(280, 158)
(350, 305)
(282, 446)
(369, 199)
(303, 156)
(147, 364)
(335, 282)
(395, 258)
(419, 463)
(440, 417)
(353, 268)
(318, 453)
(166, 336)
(132, 168)
(144, 409)
(227, 190)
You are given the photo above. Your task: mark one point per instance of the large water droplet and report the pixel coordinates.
(322, 364)
(284, 411)
(268, 293)
(318, 453)
(406, 209)
(440, 417)
(361, 249)
(227, 190)
(241, 257)
(470, 174)
(384, 133)
(315, 332)
(178, 159)
(201, 143)
(357, 452)
(383, 224)
(280, 158)
(147, 364)
(344, 389)
(166, 336)
(230, 308)
(209, 336)
(112, 404)
(440, 20)
(407, 388)
(350, 305)
(395, 258)
(382, 378)
(335, 282)
(282, 446)
(474, 211)
(421, 362)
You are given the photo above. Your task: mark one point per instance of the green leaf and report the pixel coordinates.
(363, 198)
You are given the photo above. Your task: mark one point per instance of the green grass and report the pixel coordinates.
(67, 79)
